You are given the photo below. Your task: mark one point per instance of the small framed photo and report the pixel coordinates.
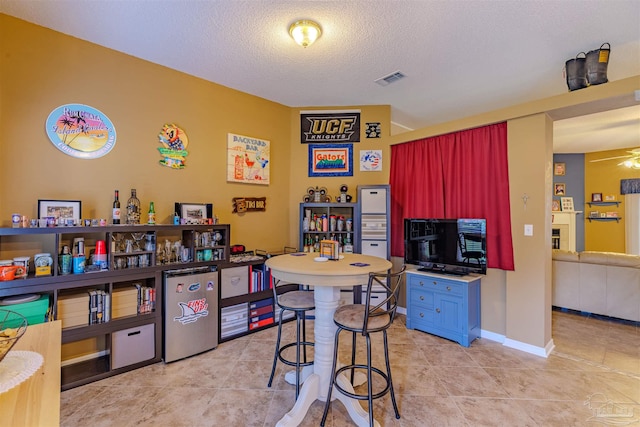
(555, 205)
(612, 214)
(67, 209)
(194, 213)
(603, 214)
(596, 197)
(610, 198)
(559, 189)
(594, 214)
(559, 169)
(567, 203)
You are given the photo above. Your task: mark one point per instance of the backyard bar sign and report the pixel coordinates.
(329, 126)
(249, 204)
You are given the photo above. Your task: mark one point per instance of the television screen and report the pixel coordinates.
(451, 246)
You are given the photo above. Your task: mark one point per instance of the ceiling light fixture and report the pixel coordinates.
(305, 32)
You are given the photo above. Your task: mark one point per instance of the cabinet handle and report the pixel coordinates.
(421, 298)
(421, 314)
(437, 310)
(435, 283)
(448, 288)
(421, 284)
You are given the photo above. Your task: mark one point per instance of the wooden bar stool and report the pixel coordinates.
(366, 319)
(299, 302)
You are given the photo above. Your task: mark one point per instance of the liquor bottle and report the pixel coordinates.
(115, 215)
(316, 245)
(152, 214)
(133, 208)
(348, 246)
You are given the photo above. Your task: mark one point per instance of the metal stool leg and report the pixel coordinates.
(386, 358)
(369, 380)
(275, 356)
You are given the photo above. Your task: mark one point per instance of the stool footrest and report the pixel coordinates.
(293, 363)
(360, 396)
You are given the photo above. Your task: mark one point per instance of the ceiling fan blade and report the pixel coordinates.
(611, 158)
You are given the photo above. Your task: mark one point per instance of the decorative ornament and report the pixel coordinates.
(373, 130)
(316, 195)
(343, 197)
(174, 146)
(80, 131)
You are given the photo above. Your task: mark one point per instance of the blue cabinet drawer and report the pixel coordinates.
(422, 298)
(421, 315)
(438, 285)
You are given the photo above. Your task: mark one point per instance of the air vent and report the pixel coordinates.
(393, 77)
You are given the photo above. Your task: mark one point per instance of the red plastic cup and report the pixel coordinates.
(100, 247)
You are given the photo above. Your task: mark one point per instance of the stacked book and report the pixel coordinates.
(146, 299)
(259, 279)
(99, 302)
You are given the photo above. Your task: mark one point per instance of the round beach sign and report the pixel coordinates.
(81, 131)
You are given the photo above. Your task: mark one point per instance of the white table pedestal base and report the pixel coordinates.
(316, 384)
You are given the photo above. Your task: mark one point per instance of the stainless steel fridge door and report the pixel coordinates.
(190, 314)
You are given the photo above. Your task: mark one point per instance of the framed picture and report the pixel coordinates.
(60, 209)
(555, 205)
(559, 169)
(194, 213)
(559, 189)
(596, 197)
(330, 159)
(610, 198)
(594, 214)
(567, 203)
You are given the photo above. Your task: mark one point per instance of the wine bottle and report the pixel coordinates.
(152, 214)
(116, 210)
(133, 208)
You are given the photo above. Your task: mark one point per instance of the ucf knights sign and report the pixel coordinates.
(330, 126)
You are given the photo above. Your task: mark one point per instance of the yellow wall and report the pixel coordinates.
(604, 177)
(42, 69)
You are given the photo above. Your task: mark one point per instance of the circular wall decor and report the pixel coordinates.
(81, 131)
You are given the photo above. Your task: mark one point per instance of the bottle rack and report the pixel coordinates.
(347, 236)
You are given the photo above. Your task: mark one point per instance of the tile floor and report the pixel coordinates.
(591, 379)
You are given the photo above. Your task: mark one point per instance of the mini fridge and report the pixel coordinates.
(190, 312)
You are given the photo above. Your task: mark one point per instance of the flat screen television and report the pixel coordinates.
(449, 246)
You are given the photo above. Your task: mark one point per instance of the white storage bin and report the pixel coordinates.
(235, 281)
(132, 345)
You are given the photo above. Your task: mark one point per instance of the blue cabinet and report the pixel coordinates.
(443, 305)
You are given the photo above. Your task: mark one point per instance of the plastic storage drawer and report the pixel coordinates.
(133, 345)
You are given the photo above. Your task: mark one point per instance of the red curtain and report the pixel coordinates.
(458, 175)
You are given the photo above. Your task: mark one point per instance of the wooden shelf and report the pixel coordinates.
(612, 203)
(616, 219)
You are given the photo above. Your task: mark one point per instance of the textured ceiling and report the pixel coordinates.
(460, 58)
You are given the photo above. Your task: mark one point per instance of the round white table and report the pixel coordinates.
(326, 278)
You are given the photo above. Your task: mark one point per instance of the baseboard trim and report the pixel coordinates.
(402, 310)
(527, 348)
